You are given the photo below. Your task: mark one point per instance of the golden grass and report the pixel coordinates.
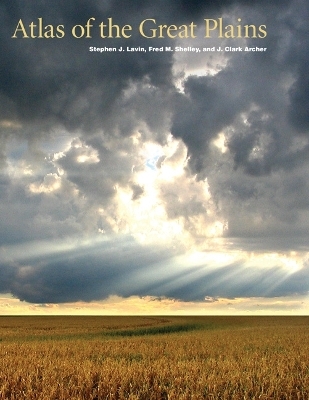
(60, 358)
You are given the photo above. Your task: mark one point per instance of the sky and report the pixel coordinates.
(154, 182)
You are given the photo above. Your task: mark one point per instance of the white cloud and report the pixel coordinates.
(51, 183)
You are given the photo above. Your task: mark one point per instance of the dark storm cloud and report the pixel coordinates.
(96, 272)
(272, 207)
(86, 273)
(24, 218)
(299, 96)
(260, 102)
(58, 81)
(256, 85)
(52, 81)
(298, 57)
(207, 106)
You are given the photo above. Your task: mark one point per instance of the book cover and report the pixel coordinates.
(154, 157)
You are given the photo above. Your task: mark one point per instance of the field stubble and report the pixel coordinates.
(154, 358)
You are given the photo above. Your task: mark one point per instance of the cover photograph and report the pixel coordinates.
(154, 200)
(154, 157)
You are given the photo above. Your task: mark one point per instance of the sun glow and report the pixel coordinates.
(290, 262)
(220, 141)
(163, 202)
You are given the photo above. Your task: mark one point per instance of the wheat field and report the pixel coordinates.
(61, 358)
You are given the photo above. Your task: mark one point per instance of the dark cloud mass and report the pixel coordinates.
(153, 147)
(95, 272)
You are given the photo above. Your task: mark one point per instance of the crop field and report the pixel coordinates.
(61, 358)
